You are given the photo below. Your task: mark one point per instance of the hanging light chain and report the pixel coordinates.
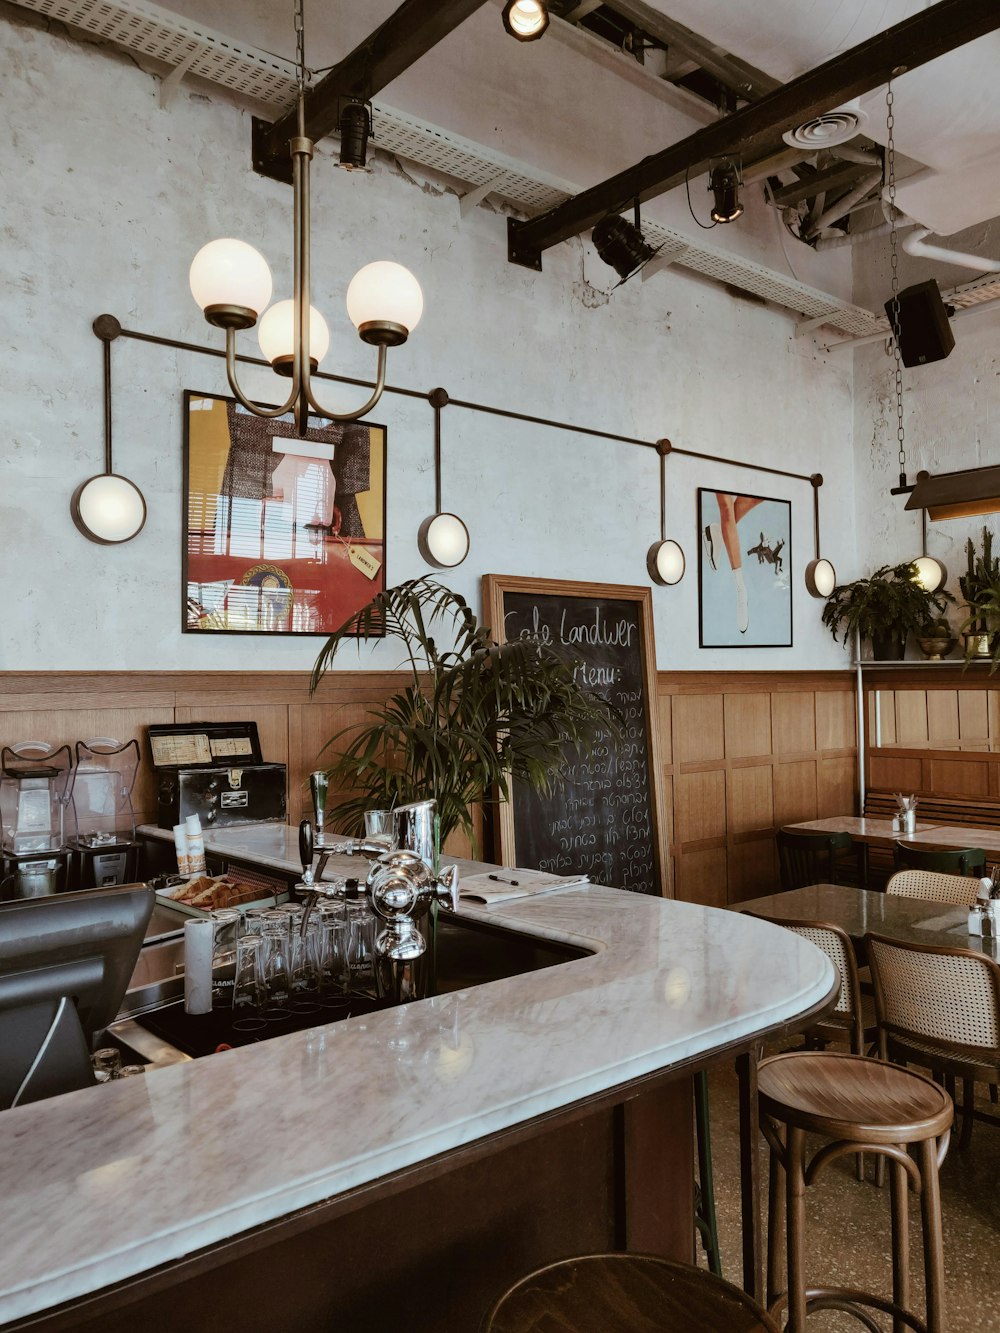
(890, 165)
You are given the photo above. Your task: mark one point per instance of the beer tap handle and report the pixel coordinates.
(446, 889)
(306, 850)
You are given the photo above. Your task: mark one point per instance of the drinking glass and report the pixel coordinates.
(274, 964)
(378, 828)
(253, 919)
(227, 928)
(303, 970)
(248, 987)
(333, 966)
(361, 925)
(107, 1061)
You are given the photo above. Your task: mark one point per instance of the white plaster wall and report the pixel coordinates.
(951, 412)
(106, 199)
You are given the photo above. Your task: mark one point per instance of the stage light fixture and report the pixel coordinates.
(526, 19)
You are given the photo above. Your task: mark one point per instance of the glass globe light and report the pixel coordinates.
(821, 578)
(443, 540)
(276, 336)
(525, 19)
(931, 573)
(108, 509)
(231, 282)
(385, 303)
(666, 563)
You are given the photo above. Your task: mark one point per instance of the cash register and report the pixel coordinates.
(65, 964)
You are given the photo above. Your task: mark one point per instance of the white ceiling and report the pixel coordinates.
(947, 112)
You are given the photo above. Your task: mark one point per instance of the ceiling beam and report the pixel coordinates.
(755, 130)
(746, 81)
(406, 35)
(817, 182)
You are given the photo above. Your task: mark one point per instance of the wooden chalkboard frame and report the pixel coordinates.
(495, 587)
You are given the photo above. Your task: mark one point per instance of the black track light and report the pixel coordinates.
(355, 127)
(725, 186)
(526, 19)
(621, 244)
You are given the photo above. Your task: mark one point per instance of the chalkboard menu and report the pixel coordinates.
(603, 822)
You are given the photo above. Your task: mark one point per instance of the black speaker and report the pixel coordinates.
(924, 333)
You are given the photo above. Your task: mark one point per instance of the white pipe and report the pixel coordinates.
(849, 238)
(914, 245)
(844, 204)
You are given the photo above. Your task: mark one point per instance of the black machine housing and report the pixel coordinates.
(214, 770)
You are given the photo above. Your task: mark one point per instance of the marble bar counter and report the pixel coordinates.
(139, 1186)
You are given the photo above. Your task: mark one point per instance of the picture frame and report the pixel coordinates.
(277, 539)
(744, 570)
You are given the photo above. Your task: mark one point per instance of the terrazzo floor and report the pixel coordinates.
(848, 1241)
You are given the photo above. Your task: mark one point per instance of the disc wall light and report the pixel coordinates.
(665, 560)
(442, 539)
(108, 508)
(821, 577)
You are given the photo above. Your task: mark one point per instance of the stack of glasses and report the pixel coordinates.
(266, 968)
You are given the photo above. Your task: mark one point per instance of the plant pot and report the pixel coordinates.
(888, 646)
(978, 644)
(934, 647)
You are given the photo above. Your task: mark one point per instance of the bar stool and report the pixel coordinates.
(622, 1293)
(859, 1104)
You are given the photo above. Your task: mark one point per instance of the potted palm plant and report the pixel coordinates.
(883, 609)
(471, 717)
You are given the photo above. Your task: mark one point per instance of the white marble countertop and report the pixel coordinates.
(105, 1183)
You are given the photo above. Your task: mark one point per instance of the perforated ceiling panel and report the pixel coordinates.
(163, 35)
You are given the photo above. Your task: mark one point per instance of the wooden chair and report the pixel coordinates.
(622, 1293)
(846, 1022)
(808, 858)
(960, 890)
(960, 861)
(857, 1105)
(939, 1007)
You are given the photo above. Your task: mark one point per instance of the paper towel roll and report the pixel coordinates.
(199, 939)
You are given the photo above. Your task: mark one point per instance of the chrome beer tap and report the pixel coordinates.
(401, 889)
(318, 787)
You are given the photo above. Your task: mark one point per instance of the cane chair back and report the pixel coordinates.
(938, 1006)
(846, 1016)
(959, 861)
(808, 858)
(960, 890)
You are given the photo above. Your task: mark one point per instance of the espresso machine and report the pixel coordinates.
(35, 782)
(104, 850)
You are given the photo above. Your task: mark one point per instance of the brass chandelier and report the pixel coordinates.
(231, 282)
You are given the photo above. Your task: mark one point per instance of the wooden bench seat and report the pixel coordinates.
(964, 811)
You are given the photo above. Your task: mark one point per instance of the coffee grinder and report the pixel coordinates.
(35, 781)
(104, 851)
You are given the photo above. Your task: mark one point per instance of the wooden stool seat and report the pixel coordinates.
(852, 1097)
(858, 1105)
(624, 1293)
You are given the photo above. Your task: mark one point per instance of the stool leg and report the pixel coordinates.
(968, 1102)
(795, 1222)
(706, 1180)
(899, 1186)
(775, 1222)
(930, 1209)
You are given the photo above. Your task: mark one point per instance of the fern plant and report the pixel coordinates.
(473, 716)
(883, 608)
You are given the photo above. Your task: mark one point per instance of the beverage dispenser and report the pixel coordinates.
(104, 851)
(35, 781)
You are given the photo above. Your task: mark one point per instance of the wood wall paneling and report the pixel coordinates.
(836, 720)
(795, 792)
(697, 730)
(748, 725)
(793, 723)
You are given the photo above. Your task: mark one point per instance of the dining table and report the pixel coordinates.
(860, 911)
(865, 831)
